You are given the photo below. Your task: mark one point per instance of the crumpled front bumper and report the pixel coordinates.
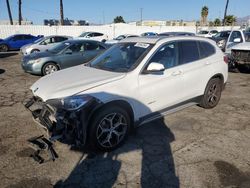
(66, 126)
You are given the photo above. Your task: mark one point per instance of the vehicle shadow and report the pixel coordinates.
(7, 54)
(147, 155)
(2, 71)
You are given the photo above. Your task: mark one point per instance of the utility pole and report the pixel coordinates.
(9, 12)
(141, 9)
(61, 12)
(20, 12)
(225, 13)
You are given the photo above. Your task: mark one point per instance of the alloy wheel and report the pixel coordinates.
(111, 130)
(50, 69)
(213, 94)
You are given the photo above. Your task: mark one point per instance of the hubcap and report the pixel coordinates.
(213, 94)
(50, 69)
(111, 130)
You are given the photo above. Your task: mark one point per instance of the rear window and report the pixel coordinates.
(188, 52)
(206, 49)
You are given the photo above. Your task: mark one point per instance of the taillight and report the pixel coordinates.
(226, 59)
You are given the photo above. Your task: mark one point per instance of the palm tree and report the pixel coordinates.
(217, 22)
(230, 20)
(9, 12)
(20, 12)
(61, 12)
(204, 14)
(225, 13)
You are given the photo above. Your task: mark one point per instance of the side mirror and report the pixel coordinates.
(155, 67)
(68, 51)
(87, 36)
(237, 40)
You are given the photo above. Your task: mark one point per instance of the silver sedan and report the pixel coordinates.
(43, 44)
(66, 54)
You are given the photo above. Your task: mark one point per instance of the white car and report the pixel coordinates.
(43, 44)
(119, 38)
(93, 36)
(133, 82)
(207, 34)
(235, 38)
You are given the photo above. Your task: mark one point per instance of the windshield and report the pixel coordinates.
(38, 40)
(84, 34)
(203, 32)
(120, 37)
(122, 57)
(59, 47)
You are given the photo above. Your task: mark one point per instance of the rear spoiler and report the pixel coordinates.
(40, 36)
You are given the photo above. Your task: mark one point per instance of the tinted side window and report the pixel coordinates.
(206, 49)
(98, 34)
(27, 37)
(188, 52)
(17, 37)
(234, 35)
(166, 55)
(60, 39)
(91, 46)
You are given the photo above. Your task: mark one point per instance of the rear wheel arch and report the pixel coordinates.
(219, 76)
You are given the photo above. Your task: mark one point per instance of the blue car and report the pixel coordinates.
(15, 42)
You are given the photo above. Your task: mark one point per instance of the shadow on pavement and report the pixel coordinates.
(7, 54)
(2, 71)
(155, 169)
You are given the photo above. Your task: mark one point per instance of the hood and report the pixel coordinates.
(1, 40)
(71, 81)
(26, 46)
(242, 46)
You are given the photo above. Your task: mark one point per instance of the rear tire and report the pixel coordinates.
(212, 94)
(49, 68)
(4, 48)
(109, 128)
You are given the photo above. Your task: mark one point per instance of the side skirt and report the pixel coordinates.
(169, 110)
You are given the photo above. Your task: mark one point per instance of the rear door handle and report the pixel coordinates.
(176, 73)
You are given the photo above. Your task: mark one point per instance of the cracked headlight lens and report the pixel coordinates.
(70, 103)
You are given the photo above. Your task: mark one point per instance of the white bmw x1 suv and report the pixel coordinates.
(133, 82)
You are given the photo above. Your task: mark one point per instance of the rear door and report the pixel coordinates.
(195, 63)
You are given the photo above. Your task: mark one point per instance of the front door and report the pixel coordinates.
(163, 89)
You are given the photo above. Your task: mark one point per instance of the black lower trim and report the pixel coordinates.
(159, 113)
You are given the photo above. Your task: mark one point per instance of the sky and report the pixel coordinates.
(104, 11)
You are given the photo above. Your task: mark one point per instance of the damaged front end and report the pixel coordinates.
(64, 119)
(239, 58)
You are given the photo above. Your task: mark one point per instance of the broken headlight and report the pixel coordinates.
(70, 103)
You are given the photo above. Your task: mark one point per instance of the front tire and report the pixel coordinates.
(109, 128)
(4, 48)
(212, 94)
(49, 68)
